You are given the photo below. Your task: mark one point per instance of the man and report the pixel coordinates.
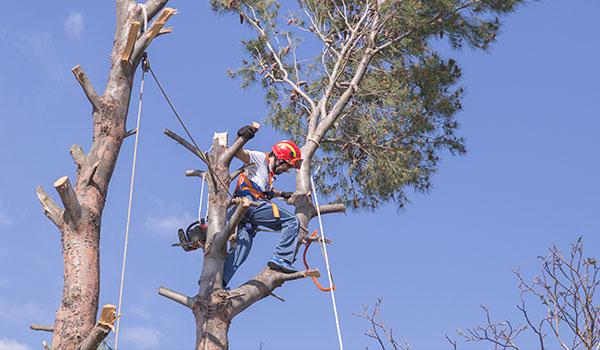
(256, 183)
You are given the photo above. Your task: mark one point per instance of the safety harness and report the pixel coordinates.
(246, 187)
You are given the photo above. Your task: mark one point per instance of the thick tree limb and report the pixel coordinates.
(69, 199)
(42, 328)
(87, 86)
(51, 209)
(332, 208)
(177, 297)
(237, 145)
(262, 285)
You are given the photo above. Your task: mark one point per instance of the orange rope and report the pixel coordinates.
(315, 280)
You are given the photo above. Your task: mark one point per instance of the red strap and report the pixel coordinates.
(313, 236)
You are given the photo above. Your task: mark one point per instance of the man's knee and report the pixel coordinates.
(292, 222)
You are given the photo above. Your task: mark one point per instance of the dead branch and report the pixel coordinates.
(51, 209)
(187, 145)
(332, 208)
(42, 328)
(237, 216)
(69, 199)
(130, 133)
(87, 86)
(195, 172)
(176, 297)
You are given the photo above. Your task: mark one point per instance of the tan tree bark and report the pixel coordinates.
(79, 221)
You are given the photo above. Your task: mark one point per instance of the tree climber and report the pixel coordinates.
(256, 183)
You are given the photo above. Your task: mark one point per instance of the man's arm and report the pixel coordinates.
(246, 132)
(243, 155)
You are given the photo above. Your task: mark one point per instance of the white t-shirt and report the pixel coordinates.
(259, 174)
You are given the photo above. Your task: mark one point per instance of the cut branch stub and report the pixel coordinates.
(177, 297)
(102, 329)
(195, 172)
(87, 86)
(134, 29)
(69, 199)
(51, 209)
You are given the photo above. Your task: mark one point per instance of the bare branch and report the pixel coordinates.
(177, 297)
(51, 209)
(187, 145)
(87, 86)
(130, 133)
(237, 216)
(332, 208)
(69, 199)
(42, 328)
(195, 172)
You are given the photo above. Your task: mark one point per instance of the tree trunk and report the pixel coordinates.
(80, 220)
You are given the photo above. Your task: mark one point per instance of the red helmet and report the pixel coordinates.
(289, 152)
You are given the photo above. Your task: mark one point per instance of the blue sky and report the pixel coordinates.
(529, 180)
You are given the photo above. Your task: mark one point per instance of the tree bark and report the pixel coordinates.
(80, 221)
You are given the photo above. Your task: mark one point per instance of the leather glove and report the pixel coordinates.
(287, 195)
(247, 132)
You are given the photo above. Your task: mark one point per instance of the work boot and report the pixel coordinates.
(281, 265)
(183, 240)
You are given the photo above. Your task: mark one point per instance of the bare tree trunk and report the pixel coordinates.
(80, 220)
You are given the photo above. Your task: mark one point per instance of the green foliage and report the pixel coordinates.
(389, 136)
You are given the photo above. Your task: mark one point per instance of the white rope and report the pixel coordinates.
(324, 247)
(145, 14)
(201, 198)
(135, 147)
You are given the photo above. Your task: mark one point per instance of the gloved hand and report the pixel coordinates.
(247, 132)
(287, 195)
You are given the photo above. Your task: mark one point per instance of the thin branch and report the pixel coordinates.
(42, 328)
(87, 86)
(195, 172)
(187, 145)
(176, 297)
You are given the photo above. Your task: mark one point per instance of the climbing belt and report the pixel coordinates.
(324, 246)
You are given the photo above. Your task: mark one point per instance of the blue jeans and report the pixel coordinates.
(262, 216)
